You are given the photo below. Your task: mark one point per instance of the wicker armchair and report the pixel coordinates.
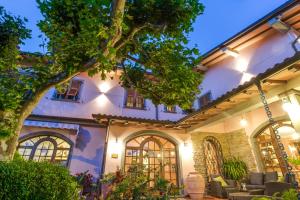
(217, 190)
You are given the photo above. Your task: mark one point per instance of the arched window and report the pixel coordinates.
(213, 156)
(157, 154)
(269, 150)
(45, 148)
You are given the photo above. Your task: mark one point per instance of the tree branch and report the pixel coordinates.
(117, 13)
(134, 59)
(130, 36)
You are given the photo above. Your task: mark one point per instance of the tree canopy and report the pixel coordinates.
(146, 38)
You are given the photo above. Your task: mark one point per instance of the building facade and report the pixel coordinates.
(97, 125)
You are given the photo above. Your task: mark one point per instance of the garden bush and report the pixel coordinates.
(28, 180)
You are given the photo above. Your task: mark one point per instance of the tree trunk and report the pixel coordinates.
(8, 146)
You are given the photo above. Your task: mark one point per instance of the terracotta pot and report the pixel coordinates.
(195, 185)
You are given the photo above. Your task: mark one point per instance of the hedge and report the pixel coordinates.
(28, 180)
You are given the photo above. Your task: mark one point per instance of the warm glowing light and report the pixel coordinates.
(241, 65)
(158, 155)
(246, 77)
(115, 146)
(296, 136)
(292, 148)
(187, 150)
(287, 106)
(172, 153)
(104, 87)
(244, 122)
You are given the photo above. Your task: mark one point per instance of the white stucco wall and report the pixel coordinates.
(256, 58)
(94, 101)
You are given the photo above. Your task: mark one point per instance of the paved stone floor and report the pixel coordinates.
(205, 198)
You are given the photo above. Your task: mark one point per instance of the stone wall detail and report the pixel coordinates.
(233, 144)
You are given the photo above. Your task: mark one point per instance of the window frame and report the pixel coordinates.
(174, 110)
(135, 97)
(76, 100)
(154, 138)
(208, 95)
(47, 138)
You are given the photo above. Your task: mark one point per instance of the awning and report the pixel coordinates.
(57, 125)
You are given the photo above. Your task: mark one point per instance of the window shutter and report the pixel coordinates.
(205, 99)
(74, 88)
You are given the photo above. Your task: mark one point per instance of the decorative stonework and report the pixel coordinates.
(233, 144)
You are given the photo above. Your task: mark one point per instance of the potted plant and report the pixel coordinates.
(234, 169)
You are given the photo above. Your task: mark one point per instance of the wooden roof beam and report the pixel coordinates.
(275, 82)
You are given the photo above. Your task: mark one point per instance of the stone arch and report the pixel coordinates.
(254, 143)
(215, 143)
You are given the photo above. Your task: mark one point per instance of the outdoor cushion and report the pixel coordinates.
(256, 178)
(271, 176)
(280, 179)
(253, 187)
(221, 180)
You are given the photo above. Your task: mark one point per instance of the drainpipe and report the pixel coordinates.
(294, 44)
(104, 154)
(156, 112)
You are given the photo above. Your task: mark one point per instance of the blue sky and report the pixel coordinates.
(221, 20)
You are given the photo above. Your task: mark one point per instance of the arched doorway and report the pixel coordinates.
(213, 156)
(269, 150)
(157, 154)
(50, 147)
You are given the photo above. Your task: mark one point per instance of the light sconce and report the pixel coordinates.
(287, 106)
(185, 144)
(230, 52)
(243, 122)
(104, 87)
(116, 148)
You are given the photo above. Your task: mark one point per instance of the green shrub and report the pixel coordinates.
(28, 180)
(290, 194)
(134, 184)
(234, 168)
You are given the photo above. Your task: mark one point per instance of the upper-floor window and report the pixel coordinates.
(134, 99)
(70, 92)
(205, 99)
(170, 109)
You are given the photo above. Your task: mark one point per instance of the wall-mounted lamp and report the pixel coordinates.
(185, 144)
(243, 122)
(230, 52)
(104, 87)
(287, 106)
(279, 25)
(115, 148)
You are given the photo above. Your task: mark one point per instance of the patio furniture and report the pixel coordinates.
(217, 190)
(257, 180)
(271, 189)
(274, 187)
